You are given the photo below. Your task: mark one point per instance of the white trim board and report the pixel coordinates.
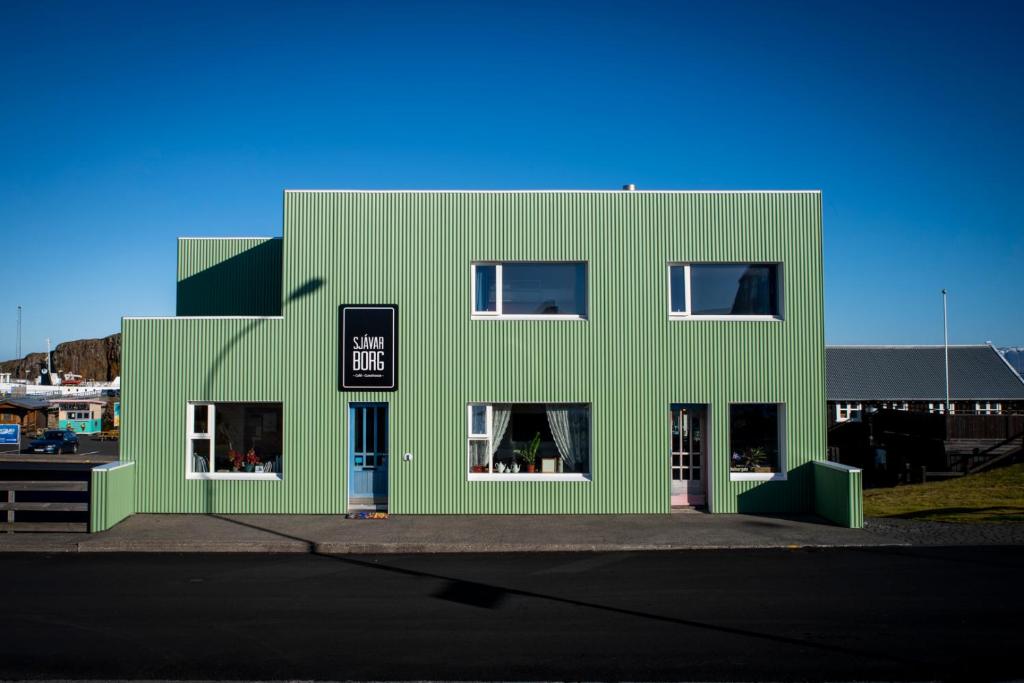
(836, 466)
(202, 317)
(528, 476)
(906, 346)
(227, 237)
(350, 191)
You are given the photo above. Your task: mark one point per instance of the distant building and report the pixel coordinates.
(27, 411)
(83, 416)
(913, 379)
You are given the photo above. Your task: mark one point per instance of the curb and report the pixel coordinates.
(336, 548)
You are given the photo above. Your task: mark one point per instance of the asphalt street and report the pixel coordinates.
(866, 614)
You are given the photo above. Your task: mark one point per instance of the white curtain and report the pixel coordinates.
(500, 416)
(570, 427)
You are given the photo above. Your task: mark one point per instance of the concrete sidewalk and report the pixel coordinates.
(329, 534)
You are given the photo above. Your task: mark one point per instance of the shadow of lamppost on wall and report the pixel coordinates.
(309, 287)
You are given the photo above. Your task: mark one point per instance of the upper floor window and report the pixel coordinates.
(529, 290)
(725, 290)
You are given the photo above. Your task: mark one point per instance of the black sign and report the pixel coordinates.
(368, 345)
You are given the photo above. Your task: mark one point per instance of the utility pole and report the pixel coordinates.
(18, 354)
(945, 334)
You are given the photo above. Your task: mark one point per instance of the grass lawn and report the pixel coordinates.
(996, 496)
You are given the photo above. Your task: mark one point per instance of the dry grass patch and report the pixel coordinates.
(996, 496)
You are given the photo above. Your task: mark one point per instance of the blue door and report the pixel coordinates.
(368, 456)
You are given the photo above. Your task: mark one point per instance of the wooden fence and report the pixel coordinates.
(999, 427)
(36, 490)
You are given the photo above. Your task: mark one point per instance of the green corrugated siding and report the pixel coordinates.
(838, 495)
(229, 276)
(111, 495)
(414, 249)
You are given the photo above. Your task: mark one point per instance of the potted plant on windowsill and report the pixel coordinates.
(758, 460)
(529, 454)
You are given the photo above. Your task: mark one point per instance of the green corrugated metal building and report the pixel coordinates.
(647, 349)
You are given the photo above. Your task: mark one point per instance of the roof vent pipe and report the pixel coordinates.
(629, 188)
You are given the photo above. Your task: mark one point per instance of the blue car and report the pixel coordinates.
(55, 441)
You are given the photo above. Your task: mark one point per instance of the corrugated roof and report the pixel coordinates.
(28, 402)
(917, 373)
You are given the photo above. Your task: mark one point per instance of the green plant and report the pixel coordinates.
(529, 454)
(749, 459)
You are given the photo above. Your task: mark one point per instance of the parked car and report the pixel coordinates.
(55, 441)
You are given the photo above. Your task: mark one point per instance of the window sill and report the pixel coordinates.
(536, 476)
(757, 476)
(492, 316)
(240, 476)
(764, 318)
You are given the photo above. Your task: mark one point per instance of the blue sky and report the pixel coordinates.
(123, 126)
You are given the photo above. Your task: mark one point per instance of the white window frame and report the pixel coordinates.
(845, 412)
(988, 408)
(499, 283)
(939, 408)
(783, 473)
(686, 315)
(211, 423)
(521, 476)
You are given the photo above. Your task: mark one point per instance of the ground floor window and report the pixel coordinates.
(896, 405)
(940, 408)
(235, 440)
(756, 440)
(529, 440)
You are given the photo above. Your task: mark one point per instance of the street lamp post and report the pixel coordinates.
(945, 343)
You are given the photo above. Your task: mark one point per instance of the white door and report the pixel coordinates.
(688, 456)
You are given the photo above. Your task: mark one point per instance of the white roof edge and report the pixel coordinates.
(905, 346)
(287, 191)
(940, 399)
(202, 317)
(243, 237)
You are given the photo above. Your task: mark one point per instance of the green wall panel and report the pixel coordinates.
(838, 494)
(414, 249)
(111, 494)
(229, 276)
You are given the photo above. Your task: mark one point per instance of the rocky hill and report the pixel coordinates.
(95, 359)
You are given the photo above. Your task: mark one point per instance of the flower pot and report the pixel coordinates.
(530, 467)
